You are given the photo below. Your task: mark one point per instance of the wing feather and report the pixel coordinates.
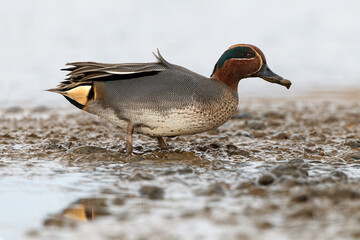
(87, 72)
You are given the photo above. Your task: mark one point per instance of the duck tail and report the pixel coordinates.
(77, 93)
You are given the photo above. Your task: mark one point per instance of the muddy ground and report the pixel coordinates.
(279, 169)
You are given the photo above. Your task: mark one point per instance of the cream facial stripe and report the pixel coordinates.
(261, 60)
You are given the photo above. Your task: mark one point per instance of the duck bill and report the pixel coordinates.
(268, 75)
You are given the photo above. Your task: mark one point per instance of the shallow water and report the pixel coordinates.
(281, 168)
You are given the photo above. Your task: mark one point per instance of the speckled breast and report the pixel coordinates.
(195, 118)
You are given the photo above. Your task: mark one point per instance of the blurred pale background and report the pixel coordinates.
(313, 43)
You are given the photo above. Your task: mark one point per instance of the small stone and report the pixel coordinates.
(213, 132)
(339, 175)
(289, 169)
(353, 143)
(108, 191)
(152, 192)
(54, 140)
(141, 176)
(73, 138)
(274, 115)
(33, 233)
(217, 165)
(201, 148)
(356, 234)
(87, 150)
(14, 109)
(68, 145)
(298, 137)
(215, 145)
(234, 150)
(296, 161)
(257, 192)
(280, 136)
(8, 136)
(242, 115)
(54, 221)
(354, 156)
(266, 179)
(243, 153)
(302, 213)
(258, 134)
(345, 193)
(168, 172)
(244, 185)
(243, 134)
(40, 109)
(300, 198)
(331, 119)
(119, 201)
(188, 214)
(264, 225)
(214, 189)
(185, 170)
(256, 125)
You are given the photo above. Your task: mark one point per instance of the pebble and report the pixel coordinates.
(258, 134)
(300, 198)
(243, 134)
(152, 192)
(234, 150)
(292, 168)
(257, 192)
(245, 185)
(256, 125)
(185, 170)
(141, 176)
(339, 175)
(87, 150)
(214, 145)
(302, 213)
(353, 143)
(40, 109)
(264, 225)
(354, 156)
(274, 115)
(214, 189)
(118, 201)
(298, 137)
(296, 161)
(266, 179)
(14, 109)
(280, 136)
(242, 115)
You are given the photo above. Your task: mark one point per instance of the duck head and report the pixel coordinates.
(244, 61)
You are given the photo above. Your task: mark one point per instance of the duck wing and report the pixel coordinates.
(88, 72)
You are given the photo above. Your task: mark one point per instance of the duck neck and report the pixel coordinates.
(229, 74)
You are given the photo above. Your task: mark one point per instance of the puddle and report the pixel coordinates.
(288, 169)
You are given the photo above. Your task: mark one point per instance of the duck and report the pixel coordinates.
(161, 99)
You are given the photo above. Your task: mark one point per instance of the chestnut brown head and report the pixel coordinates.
(244, 61)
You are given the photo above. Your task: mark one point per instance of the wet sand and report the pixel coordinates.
(279, 169)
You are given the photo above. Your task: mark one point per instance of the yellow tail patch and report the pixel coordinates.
(78, 94)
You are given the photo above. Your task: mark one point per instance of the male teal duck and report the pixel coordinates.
(161, 99)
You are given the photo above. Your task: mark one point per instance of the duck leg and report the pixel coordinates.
(161, 142)
(129, 138)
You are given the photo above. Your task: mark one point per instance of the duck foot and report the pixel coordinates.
(129, 138)
(162, 143)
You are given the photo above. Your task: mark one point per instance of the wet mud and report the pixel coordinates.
(279, 169)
